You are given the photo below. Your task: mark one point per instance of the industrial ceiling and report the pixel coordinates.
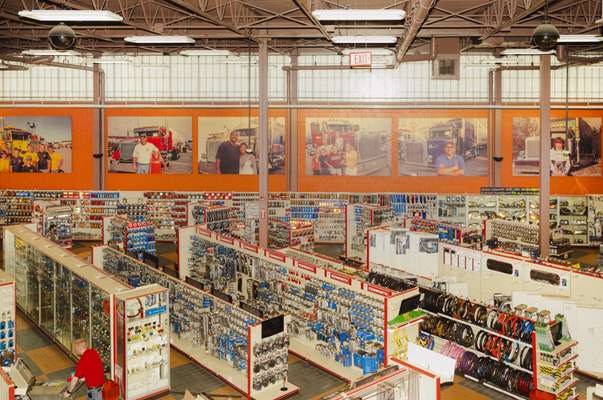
(289, 25)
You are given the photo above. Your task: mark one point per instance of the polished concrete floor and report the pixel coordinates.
(48, 361)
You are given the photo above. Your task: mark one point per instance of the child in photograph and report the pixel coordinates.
(16, 162)
(247, 162)
(4, 162)
(560, 159)
(156, 162)
(28, 165)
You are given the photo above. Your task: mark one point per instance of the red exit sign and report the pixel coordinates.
(360, 59)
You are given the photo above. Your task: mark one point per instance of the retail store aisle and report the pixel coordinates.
(47, 361)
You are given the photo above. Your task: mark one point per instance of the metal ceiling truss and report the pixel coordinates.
(289, 24)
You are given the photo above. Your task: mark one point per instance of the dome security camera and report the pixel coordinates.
(545, 37)
(62, 37)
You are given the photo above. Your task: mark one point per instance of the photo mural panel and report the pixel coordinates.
(35, 144)
(348, 146)
(575, 146)
(228, 145)
(150, 145)
(448, 146)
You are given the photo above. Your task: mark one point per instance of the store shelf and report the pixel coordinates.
(305, 349)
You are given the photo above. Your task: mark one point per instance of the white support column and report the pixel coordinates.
(545, 152)
(263, 140)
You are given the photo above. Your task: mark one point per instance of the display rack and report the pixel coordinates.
(129, 236)
(214, 332)
(491, 345)
(320, 260)
(570, 215)
(315, 297)
(423, 205)
(359, 218)
(283, 234)
(8, 313)
(167, 211)
(143, 342)
(54, 221)
(69, 299)
(216, 217)
(89, 208)
(325, 210)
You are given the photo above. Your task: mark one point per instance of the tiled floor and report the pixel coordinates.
(48, 361)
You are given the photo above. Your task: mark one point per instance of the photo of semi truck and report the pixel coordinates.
(422, 140)
(276, 151)
(371, 140)
(581, 138)
(170, 135)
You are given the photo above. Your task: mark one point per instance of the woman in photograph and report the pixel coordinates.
(247, 162)
(560, 159)
(351, 160)
(315, 162)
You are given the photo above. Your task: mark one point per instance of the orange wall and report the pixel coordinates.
(194, 181)
(393, 183)
(81, 153)
(82, 164)
(559, 185)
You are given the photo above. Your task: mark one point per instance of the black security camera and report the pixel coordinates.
(62, 37)
(545, 37)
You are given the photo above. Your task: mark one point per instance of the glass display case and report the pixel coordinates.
(69, 299)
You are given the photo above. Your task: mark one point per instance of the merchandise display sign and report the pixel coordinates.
(348, 146)
(442, 146)
(575, 146)
(150, 145)
(229, 145)
(35, 144)
(492, 190)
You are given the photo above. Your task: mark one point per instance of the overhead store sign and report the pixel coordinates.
(361, 59)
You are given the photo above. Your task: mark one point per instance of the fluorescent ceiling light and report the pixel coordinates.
(580, 39)
(100, 61)
(48, 52)
(158, 39)
(359, 15)
(375, 52)
(525, 52)
(153, 66)
(71, 15)
(363, 39)
(205, 52)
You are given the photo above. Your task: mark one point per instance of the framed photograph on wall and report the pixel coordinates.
(348, 146)
(35, 144)
(228, 145)
(442, 146)
(575, 146)
(150, 145)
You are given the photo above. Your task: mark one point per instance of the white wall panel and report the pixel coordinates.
(156, 78)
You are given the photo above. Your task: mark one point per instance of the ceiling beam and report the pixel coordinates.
(302, 6)
(421, 10)
(534, 7)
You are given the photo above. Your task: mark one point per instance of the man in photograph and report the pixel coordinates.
(141, 157)
(449, 163)
(56, 160)
(43, 159)
(228, 155)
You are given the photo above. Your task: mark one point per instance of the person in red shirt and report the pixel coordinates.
(89, 370)
(156, 162)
